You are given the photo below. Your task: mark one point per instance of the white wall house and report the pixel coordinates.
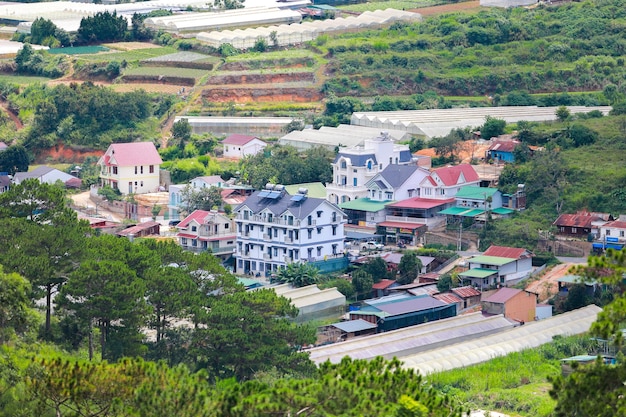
(355, 166)
(444, 183)
(275, 228)
(613, 233)
(208, 230)
(498, 265)
(132, 168)
(239, 146)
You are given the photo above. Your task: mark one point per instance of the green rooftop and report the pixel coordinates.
(478, 273)
(316, 189)
(502, 211)
(491, 260)
(475, 193)
(462, 211)
(365, 204)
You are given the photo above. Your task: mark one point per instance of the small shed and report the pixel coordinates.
(383, 287)
(345, 330)
(469, 295)
(141, 230)
(515, 304)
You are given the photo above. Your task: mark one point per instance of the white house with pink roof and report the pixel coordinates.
(444, 183)
(239, 146)
(208, 230)
(132, 168)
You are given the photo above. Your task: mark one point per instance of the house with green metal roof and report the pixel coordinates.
(489, 271)
(474, 202)
(364, 211)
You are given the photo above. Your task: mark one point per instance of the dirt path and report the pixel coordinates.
(16, 120)
(547, 286)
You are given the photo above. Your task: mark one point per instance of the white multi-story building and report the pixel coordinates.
(132, 168)
(354, 167)
(208, 230)
(275, 228)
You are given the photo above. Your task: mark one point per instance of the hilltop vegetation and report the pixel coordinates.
(572, 47)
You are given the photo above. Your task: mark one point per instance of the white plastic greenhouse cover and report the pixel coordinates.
(297, 33)
(479, 350)
(439, 122)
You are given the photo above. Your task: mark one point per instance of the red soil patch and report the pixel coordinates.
(61, 153)
(250, 95)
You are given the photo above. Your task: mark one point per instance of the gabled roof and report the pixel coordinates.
(500, 145)
(453, 174)
(210, 179)
(396, 175)
(351, 326)
(236, 139)
(278, 206)
(357, 160)
(447, 297)
(198, 215)
(466, 292)
(316, 189)
(475, 192)
(616, 224)
(503, 295)
(138, 228)
(507, 252)
(491, 260)
(420, 203)
(412, 305)
(131, 154)
(581, 219)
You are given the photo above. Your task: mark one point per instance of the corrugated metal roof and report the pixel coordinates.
(364, 204)
(421, 203)
(478, 273)
(448, 298)
(491, 260)
(413, 339)
(476, 193)
(507, 252)
(383, 284)
(351, 326)
(466, 292)
(410, 306)
(502, 295)
(530, 335)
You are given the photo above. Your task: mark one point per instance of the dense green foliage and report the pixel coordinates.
(285, 165)
(29, 61)
(44, 32)
(573, 47)
(82, 114)
(101, 27)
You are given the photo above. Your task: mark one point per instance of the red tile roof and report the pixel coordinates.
(502, 295)
(197, 215)
(133, 154)
(450, 175)
(383, 284)
(237, 139)
(420, 203)
(139, 228)
(582, 220)
(507, 252)
(466, 292)
(447, 298)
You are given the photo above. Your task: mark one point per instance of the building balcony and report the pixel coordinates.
(267, 257)
(256, 219)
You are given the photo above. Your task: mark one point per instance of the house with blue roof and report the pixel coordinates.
(354, 167)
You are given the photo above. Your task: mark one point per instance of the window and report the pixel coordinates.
(151, 169)
(342, 164)
(310, 252)
(115, 170)
(354, 182)
(574, 230)
(135, 170)
(141, 169)
(226, 226)
(141, 183)
(319, 230)
(194, 228)
(319, 251)
(334, 230)
(194, 243)
(334, 249)
(275, 251)
(608, 232)
(183, 241)
(319, 213)
(135, 183)
(369, 165)
(310, 233)
(621, 233)
(296, 254)
(334, 216)
(309, 220)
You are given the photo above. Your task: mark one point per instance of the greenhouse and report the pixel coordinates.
(282, 35)
(439, 122)
(249, 16)
(331, 137)
(268, 127)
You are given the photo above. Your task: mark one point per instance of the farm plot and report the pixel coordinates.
(135, 55)
(148, 87)
(163, 75)
(191, 60)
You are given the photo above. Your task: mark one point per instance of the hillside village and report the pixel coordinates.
(384, 262)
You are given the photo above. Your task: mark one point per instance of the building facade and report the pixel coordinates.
(203, 231)
(275, 228)
(131, 168)
(354, 167)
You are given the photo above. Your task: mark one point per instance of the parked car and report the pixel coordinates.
(372, 245)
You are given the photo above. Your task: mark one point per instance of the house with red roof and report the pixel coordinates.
(131, 168)
(612, 235)
(581, 224)
(513, 303)
(444, 183)
(203, 231)
(498, 266)
(238, 146)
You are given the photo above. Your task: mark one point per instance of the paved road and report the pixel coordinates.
(87, 207)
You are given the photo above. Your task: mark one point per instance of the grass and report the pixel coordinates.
(393, 4)
(130, 56)
(267, 56)
(79, 50)
(22, 79)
